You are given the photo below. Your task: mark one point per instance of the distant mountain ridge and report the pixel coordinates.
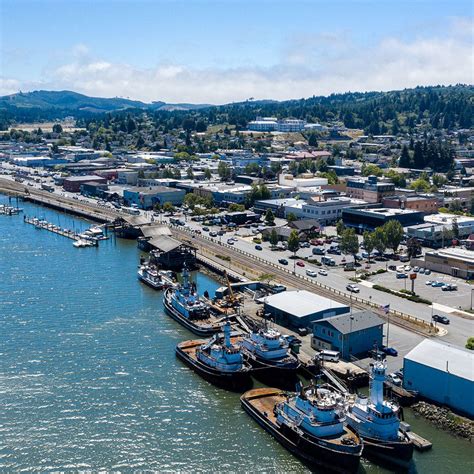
(75, 102)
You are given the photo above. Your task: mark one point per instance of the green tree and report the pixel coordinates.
(393, 234)
(368, 242)
(234, 207)
(397, 178)
(190, 200)
(405, 160)
(413, 247)
(189, 173)
(371, 169)
(455, 228)
(291, 217)
(349, 243)
(57, 128)
(293, 242)
(470, 343)
(340, 227)
(224, 171)
(270, 217)
(207, 174)
(273, 237)
(420, 185)
(380, 240)
(168, 207)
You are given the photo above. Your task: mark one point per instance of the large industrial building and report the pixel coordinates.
(298, 309)
(146, 198)
(441, 373)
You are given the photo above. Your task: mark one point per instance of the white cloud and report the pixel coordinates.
(309, 65)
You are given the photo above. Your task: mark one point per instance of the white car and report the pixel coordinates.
(353, 288)
(407, 268)
(395, 379)
(311, 273)
(323, 272)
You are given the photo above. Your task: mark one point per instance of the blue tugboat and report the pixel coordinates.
(377, 422)
(269, 352)
(219, 360)
(185, 306)
(311, 424)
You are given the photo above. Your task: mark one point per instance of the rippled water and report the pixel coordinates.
(88, 375)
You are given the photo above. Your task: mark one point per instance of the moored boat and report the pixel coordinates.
(219, 360)
(154, 278)
(185, 306)
(310, 424)
(269, 352)
(377, 422)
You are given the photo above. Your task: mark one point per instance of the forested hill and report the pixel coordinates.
(444, 107)
(375, 112)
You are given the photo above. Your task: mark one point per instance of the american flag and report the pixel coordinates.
(385, 308)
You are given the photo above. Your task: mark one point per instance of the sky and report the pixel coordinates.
(220, 51)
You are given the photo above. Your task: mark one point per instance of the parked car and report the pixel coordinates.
(407, 268)
(258, 247)
(422, 270)
(353, 288)
(440, 319)
(401, 275)
(323, 272)
(428, 282)
(283, 261)
(318, 251)
(305, 245)
(449, 287)
(416, 269)
(311, 273)
(205, 229)
(427, 271)
(392, 267)
(278, 288)
(213, 233)
(300, 263)
(230, 241)
(389, 351)
(437, 284)
(393, 378)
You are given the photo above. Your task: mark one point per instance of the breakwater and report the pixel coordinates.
(446, 420)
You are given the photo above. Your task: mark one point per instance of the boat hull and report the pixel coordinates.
(149, 283)
(195, 328)
(235, 381)
(398, 453)
(309, 449)
(271, 372)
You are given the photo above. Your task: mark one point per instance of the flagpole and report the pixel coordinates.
(388, 325)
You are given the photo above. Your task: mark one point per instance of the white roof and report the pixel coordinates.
(302, 303)
(444, 357)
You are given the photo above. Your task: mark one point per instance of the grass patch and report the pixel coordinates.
(223, 257)
(410, 296)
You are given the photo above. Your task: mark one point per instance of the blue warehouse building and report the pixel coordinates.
(441, 373)
(350, 334)
(146, 198)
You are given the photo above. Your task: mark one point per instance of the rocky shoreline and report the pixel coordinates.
(445, 419)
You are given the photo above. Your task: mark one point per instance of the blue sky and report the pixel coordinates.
(220, 51)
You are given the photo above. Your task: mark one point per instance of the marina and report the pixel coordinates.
(130, 380)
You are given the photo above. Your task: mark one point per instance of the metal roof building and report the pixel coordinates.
(300, 308)
(442, 373)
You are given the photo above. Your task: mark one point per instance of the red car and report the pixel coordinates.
(300, 263)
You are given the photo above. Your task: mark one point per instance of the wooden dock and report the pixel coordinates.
(420, 443)
(41, 224)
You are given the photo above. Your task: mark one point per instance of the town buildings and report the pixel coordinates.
(73, 183)
(147, 198)
(369, 189)
(371, 217)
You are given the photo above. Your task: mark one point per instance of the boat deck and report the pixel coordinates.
(190, 347)
(264, 400)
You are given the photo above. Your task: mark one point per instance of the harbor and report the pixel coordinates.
(130, 380)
